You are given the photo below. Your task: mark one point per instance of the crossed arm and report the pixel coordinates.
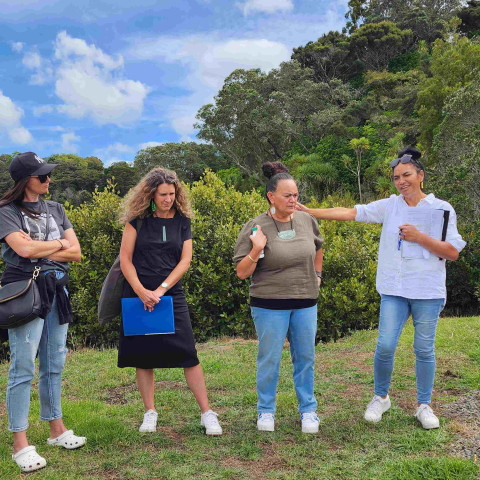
(66, 249)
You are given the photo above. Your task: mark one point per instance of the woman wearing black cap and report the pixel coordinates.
(36, 235)
(410, 275)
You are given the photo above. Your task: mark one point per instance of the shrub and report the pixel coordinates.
(99, 234)
(217, 298)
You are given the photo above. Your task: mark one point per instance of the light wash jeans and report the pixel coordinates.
(48, 338)
(300, 327)
(394, 313)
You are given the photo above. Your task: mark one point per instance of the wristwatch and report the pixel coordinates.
(164, 285)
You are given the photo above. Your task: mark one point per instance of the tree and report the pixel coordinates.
(358, 145)
(374, 44)
(456, 149)
(188, 159)
(427, 19)
(257, 117)
(329, 57)
(391, 102)
(75, 178)
(6, 181)
(454, 64)
(470, 17)
(123, 174)
(456, 177)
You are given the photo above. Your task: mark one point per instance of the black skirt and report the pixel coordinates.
(176, 350)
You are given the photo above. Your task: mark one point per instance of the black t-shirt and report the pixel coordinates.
(159, 244)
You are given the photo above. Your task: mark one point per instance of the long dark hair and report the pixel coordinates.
(274, 171)
(15, 195)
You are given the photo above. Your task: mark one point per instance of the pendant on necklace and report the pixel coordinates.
(287, 234)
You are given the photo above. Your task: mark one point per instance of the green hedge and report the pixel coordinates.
(218, 300)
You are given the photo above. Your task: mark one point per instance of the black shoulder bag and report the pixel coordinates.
(110, 299)
(20, 301)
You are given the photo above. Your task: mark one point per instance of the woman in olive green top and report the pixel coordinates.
(284, 260)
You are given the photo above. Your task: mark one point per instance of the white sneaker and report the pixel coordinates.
(310, 422)
(376, 408)
(426, 417)
(266, 422)
(149, 421)
(209, 420)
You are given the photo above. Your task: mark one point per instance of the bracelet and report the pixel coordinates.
(61, 244)
(252, 259)
(319, 274)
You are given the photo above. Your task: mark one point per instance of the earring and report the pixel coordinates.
(153, 206)
(421, 185)
(272, 210)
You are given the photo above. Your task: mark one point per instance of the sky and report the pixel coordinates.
(110, 77)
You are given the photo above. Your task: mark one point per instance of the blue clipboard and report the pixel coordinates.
(138, 321)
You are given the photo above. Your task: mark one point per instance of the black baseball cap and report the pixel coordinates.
(27, 164)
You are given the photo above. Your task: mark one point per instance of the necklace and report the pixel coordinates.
(285, 234)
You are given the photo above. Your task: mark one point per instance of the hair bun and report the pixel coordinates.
(270, 169)
(414, 152)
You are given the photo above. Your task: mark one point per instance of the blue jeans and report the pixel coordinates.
(394, 313)
(300, 327)
(48, 338)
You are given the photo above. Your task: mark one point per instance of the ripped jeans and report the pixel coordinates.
(48, 338)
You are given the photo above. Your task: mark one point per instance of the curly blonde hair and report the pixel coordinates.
(137, 203)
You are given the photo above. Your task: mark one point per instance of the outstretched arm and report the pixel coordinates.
(336, 213)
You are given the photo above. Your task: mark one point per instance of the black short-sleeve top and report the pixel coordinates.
(159, 244)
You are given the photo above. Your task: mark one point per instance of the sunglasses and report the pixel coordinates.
(405, 159)
(42, 178)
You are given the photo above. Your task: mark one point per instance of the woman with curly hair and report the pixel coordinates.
(153, 261)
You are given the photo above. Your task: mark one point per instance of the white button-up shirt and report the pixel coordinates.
(416, 278)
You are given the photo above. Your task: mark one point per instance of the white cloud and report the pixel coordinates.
(115, 153)
(69, 142)
(10, 121)
(207, 61)
(32, 60)
(66, 47)
(20, 135)
(145, 145)
(90, 85)
(88, 81)
(43, 71)
(266, 6)
(17, 46)
(42, 109)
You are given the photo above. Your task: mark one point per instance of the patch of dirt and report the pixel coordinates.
(354, 360)
(405, 399)
(225, 344)
(258, 469)
(466, 414)
(118, 395)
(173, 435)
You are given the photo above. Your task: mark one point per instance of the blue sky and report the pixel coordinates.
(106, 78)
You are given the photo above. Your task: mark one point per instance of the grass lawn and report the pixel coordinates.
(101, 402)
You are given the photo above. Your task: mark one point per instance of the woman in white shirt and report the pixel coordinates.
(410, 276)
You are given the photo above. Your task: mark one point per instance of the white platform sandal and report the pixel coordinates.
(67, 440)
(28, 459)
